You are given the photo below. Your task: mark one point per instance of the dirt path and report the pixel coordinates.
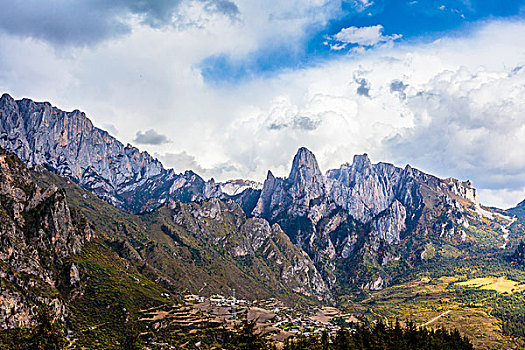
(437, 318)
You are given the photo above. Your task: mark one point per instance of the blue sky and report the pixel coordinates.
(421, 21)
(232, 88)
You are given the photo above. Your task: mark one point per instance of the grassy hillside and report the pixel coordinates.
(142, 262)
(187, 256)
(483, 296)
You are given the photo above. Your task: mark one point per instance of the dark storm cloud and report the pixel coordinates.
(397, 85)
(150, 137)
(364, 87)
(89, 21)
(400, 87)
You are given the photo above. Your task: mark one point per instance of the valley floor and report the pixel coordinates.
(443, 302)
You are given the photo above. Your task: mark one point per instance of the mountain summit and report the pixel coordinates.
(365, 213)
(306, 179)
(359, 214)
(68, 143)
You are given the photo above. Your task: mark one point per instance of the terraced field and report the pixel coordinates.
(498, 284)
(436, 302)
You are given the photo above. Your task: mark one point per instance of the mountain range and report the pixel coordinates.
(70, 192)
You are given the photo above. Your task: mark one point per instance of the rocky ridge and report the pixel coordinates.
(365, 212)
(38, 231)
(69, 144)
(263, 250)
(362, 212)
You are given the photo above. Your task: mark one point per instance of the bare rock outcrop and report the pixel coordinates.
(38, 231)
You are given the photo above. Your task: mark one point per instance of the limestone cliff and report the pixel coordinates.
(264, 251)
(363, 211)
(68, 143)
(38, 231)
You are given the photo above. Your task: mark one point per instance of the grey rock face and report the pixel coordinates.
(392, 223)
(365, 189)
(68, 143)
(304, 184)
(361, 188)
(272, 196)
(74, 274)
(273, 257)
(37, 232)
(353, 210)
(463, 189)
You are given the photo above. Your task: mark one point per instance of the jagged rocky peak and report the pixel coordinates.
(68, 143)
(363, 188)
(464, 189)
(293, 194)
(304, 165)
(7, 102)
(272, 194)
(305, 176)
(361, 161)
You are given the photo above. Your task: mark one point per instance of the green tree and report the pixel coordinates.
(246, 337)
(132, 339)
(48, 335)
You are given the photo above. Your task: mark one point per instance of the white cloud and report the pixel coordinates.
(361, 5)
(364, 36)
(451, 107)
(502, 198)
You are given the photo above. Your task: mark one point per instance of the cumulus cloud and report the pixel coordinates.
(466, 120)
(364, 36)
(183, 161)
(284, 115)
(460, 114)
(150, 137)
(397, 86)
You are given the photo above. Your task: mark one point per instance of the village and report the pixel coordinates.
(272, 316)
